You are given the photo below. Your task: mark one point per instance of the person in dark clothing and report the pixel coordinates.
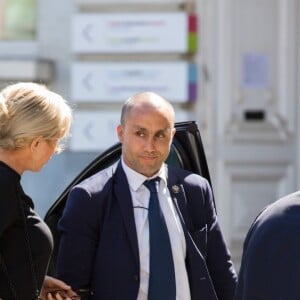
(33, 120)
(270, 266)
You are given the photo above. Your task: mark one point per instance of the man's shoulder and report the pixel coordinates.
(282, 207)
(292, 199)
(97, 181)
(271, 251)
(280, 217)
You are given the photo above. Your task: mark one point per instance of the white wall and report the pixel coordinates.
(252, 163)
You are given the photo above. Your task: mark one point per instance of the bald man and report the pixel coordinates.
(105, 228)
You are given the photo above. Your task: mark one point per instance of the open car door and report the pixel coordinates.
(186, 151)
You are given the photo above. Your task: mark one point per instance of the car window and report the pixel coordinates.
(174, 158)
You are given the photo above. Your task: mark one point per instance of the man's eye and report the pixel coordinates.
(140, 133)
(160, 135)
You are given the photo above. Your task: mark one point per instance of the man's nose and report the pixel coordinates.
(150, 143)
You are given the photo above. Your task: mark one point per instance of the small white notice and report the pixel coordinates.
(255, 71)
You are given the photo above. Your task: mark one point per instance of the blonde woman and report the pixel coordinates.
(33, 123)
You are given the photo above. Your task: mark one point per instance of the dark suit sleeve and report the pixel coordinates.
(79, 229)
(218, 258)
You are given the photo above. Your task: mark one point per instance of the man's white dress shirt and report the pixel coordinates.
(140, 198)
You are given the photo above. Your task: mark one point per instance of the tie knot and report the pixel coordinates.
(152, 184)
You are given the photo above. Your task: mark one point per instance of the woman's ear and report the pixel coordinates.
(35, 143)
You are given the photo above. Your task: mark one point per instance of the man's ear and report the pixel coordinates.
(173, 132)
(120, 133)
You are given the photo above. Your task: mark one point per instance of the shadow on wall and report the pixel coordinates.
(45, 186)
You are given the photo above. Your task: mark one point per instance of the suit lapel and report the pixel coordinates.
(179, 198)
(199, 279)
(122, 193)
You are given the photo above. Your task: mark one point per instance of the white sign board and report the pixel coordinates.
(130, 32)
(115, 82)
(96, 130)
(85, 2)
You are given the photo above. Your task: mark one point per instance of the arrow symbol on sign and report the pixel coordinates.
(87, 81)
(87, 33)
(88, 131)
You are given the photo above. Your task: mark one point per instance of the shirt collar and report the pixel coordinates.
(135, 179)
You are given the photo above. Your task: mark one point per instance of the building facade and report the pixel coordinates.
(242, 56)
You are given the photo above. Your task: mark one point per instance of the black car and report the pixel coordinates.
(186, 151)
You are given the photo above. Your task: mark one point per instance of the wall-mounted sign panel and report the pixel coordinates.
(25, 70)
(115, 82)
(96, 130)
(85, 2)
(173, 32)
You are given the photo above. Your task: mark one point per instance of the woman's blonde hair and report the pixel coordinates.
(29, 110)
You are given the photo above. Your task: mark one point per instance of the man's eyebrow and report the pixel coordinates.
(137, 127)
(166, 129)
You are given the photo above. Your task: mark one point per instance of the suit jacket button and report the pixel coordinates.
(136, 277)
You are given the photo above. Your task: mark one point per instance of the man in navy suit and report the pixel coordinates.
(105, 228)
(270, 267)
